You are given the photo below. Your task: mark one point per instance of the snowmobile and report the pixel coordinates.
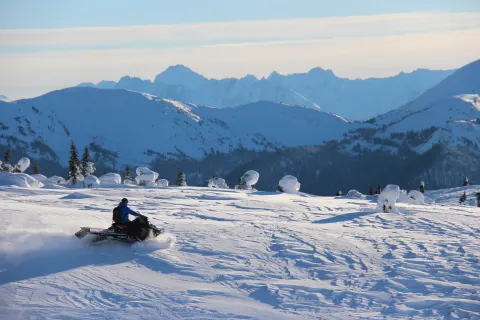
(119, 232)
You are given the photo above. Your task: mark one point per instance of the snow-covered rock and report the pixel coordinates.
(58, 180)
(111, 178)
(354, 194)
(146, 177)
(162, 183)
(388, 198)
(248, 180)
(19, 179)
(288, 184)
(416, 197)
(217, 183)
(91, 181)
(22, 165)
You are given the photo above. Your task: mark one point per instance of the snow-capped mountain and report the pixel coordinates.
(318, 89)
(129, 127)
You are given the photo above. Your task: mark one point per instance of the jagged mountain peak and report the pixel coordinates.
(179, 74)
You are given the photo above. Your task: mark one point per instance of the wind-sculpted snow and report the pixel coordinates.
(230, 254)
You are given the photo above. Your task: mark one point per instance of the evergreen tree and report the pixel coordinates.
(478, 198)
(6, 157)
(370, 191)
(73, 164)
(379, 190)
(6, 166)
(181, 179)
(128, 173)
(85, 162)
(463, 198)
(36, 169)
(465, 182)
(422, 187)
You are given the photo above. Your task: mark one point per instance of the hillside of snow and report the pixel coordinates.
(233, 254)
(447, 114)
(319, 89)
(125, 127)
(4, 98)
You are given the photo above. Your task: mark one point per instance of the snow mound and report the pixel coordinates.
(416, 197)
(76, 195)
(162, 183)
(217, 183)
(22, 165)
(403, 196)
(354, 194)
(288, 184)
(58, 180)
(91, 182)
(19, 179)
(111, 178)
(248, 180)
(146, 177)
(388, 198)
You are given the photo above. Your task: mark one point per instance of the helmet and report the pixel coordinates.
(125, 200)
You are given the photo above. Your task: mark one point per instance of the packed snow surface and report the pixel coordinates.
(231, 254)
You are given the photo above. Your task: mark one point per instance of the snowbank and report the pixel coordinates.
(91, 182)
(111, 178)
(217, 183)
(403, 196)
(354, 194)
(162, 183)
(288, 184)
(387, 199)
(19, 179)
(76, 195)
(248, 180)
(58, 180)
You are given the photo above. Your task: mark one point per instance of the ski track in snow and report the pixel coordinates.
(238, 255)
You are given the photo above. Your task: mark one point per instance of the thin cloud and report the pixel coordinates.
(234, 32)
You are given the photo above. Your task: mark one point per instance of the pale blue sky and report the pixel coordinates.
(51, 44)
(21, 14)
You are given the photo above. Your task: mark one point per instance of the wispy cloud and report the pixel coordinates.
(160, 36)
(33, 62)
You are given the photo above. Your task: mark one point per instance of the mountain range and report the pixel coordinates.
(436, 137)
(319, 89)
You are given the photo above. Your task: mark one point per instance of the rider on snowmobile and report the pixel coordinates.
(132, 227)
(125, 211)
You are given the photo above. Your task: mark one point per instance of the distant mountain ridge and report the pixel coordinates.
(319, 89)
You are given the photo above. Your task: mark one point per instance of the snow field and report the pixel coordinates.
(234, 254)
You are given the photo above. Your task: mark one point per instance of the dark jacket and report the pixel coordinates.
(125, 211)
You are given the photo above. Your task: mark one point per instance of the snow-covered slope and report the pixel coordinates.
(127, 127)
(234, 255)
(353, 99)
(4, 98)
(452, 107)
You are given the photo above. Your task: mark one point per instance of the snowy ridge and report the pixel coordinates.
(130, 127)
(317, 89)
(239, 255)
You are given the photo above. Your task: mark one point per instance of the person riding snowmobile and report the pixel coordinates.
(132, 227)
(125, 211)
